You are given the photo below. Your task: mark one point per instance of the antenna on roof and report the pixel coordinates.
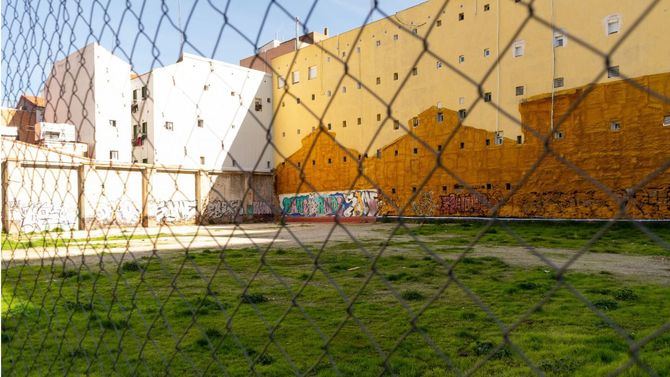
(297, 22)
(181, 32)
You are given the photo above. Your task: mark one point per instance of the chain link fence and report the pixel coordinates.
(123, 254)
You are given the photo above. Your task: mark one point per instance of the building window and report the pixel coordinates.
(258, 104)
(268, 100)
(489, 186)
(487, 142)
(613, 71)
(145, 160)
(440, 117)
(330, 126)
(298, 131)
(415, 150)
(487, 7)
(379, 80)
(311, 74)
(136, 130)
(281, 82)
(666, 121)
(487, 52)
(615, 126)
(114, 155)
(112, 123)
(395, 37)
(344, 159)
(202, 160)
(518, 49)
(344, 89)
(558, 135)
(415, 122)
(560, 39)
(201, 123)
(359, 121)
(461, 58)
(379, 153)
(559, 82)
(358, 50)
(344, 124)
(145, 92)
(330, 161)
(439, 147)
(499, 139)
(415, 71)
(395, 76)
(297, 100)
(205, 87)
(508, 186)
(379, 117)
(462, 145)
(144, 128)
(520, 90)
(359, 85)
(612, 24)
(296, 77)
(313, 97)
(438, 64)
(462, 113)
(396, 125)
(135, 95)
(461, 16)
(329, 93)
(487, 97)
(519, 139)
(378, 43)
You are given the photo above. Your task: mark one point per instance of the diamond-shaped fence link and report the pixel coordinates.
(177, 222)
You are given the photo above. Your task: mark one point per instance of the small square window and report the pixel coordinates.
(395, 76)
(329, 93)
(440, 117)
(438, 64)
(358, 50)
(359, 85)
(298, 131)
(462, 145)
(461, 58)
(378, 43)
(297, 100)
(344, 159)
(201, 123)
(145, 92)
(296, 77)
(615, 126)
(487, 52)
(395, 37)
(438, 23)
(518, 49)
(281, 82)
(202, 160)
(559, 82)
(313, 97)
(462, 113)
(330, 161)
(311, 73)
(558, 135)
(666, 121)
(487, 7)
(113, 155)
(461, 16)
(258, 104)
(396, 125)
(392, 190)
(519, 139)
(379, 117)
(415, 71)
(499, 139)
(379, 80)
(112, 123)
(520, 90)
(508, 186)
(415, 122)
(613, 71)
(169, 126)
(330, 126)
(613, 25)
(559, 39)
(359, 121)
(344, 89)
(487, 142)
(487, 97)
(344, 124)
(395, 153)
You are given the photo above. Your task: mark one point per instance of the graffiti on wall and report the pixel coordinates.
(171, 211)
(123, 212)
(424, 205)
(347, 204)
(221, 210)
(469, 204)
(261, 208)
(42, 216)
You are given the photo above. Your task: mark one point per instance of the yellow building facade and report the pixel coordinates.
(479, 59)
(388, 47)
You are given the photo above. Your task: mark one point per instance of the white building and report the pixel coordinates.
(90, 89)
(203, 113)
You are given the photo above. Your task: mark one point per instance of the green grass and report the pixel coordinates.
(61, 239)
(137, 318)
(621, 238)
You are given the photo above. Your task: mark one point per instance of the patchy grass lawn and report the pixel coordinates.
(188, 314)
(620, 238)
(40, 240)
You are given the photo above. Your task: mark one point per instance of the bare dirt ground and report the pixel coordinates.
(144, 241)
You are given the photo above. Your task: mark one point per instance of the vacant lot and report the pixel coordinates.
(411, 302)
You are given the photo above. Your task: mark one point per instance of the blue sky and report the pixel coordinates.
(146, 34)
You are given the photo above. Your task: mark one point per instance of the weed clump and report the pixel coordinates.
(412, 295)
(253, 298)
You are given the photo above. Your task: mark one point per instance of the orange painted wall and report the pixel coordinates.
(410, 181)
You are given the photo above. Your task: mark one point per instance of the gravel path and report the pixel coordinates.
(178, 238)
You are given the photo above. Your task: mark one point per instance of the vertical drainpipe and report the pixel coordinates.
(553, 66)
(498, 66)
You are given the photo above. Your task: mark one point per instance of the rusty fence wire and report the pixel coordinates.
(104, 267)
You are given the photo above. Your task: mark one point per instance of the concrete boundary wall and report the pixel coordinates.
(78, 195)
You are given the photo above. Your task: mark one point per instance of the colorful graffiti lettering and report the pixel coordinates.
(349, 204)
(468, 203)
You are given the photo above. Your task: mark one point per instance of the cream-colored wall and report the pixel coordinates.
(643, 52)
